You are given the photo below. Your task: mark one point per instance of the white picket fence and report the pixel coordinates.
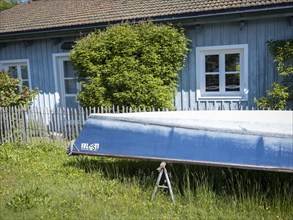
(20, 124)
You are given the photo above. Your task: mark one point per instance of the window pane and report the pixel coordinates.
(24, 73)
(71, 102)
(25, 83)
(232, 62)
(212, 83)
(232, 82)
(12, 70)
(70, 86)
(68, 70)
(212, 63)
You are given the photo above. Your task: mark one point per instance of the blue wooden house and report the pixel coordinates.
(229, 62)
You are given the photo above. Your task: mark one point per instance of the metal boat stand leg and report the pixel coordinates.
(162, 170)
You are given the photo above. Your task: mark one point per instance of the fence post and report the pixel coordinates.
(1, 125)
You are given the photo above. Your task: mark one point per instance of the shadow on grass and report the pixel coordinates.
(188, 178)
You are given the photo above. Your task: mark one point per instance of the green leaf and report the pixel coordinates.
(130, 65)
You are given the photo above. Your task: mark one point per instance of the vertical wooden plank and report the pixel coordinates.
(198, 42)
(22, 124)
(63, 123)
(233, 33)
(54, 121)
(17, 124)
(72, 121)
(36, 120)
(14, 127)
(60, 129)
(44, 123)
(3, 54)
(29, 113)
(46, 74)
(216, 30)
(30, 124)
(48, 118)
(261, 57)
(49, 64)
(1, 125)
(50, 122)
(68, 124)
(269, 34)
(4, 123)
(192, 69)
(243, 33)
(10, 125)
(76, 123)
(86, 112)
(79, 120)
(224, 34)
(14, 124)
(24, 128)
(282, 31)
(208, 35)
(253, 68)
(7, 130)
(38, 68)
(13, 51)
(185, 84)
(28, 51)
(64, 128)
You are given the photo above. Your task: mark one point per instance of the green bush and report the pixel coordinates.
(276, 98)
(10, 94)
(281, 94)
(130, 65)
(6, 4)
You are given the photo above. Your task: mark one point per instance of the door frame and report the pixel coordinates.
(58, 68)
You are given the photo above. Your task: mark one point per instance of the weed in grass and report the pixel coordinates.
(28, 200)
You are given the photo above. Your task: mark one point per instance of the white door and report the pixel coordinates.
(67, 84)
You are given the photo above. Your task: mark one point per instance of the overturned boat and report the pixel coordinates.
(260, 140)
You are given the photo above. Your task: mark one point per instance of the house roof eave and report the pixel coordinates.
(184, 19)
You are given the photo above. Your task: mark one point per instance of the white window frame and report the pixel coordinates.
(201, 52)
(5, 63)
(58, 66)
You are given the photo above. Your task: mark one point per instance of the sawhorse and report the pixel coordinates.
(167, 185)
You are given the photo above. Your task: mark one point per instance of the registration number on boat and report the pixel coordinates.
(91, 147)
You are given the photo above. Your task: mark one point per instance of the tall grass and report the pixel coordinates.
(40, 182)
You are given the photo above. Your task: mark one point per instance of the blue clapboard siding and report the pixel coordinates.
(256, 33)
(262, 72)
(40, 59)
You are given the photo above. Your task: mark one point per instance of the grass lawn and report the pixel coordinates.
(40, 182)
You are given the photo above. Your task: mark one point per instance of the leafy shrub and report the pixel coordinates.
(130, 65)
(6, 4)
(281, 94)
(276, 97)
(10, 94)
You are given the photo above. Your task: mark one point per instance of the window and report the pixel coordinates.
(66, 82)
(222, 72)
(18, 69)
(71, 86)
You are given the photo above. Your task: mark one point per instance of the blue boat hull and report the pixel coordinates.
(147, 138)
